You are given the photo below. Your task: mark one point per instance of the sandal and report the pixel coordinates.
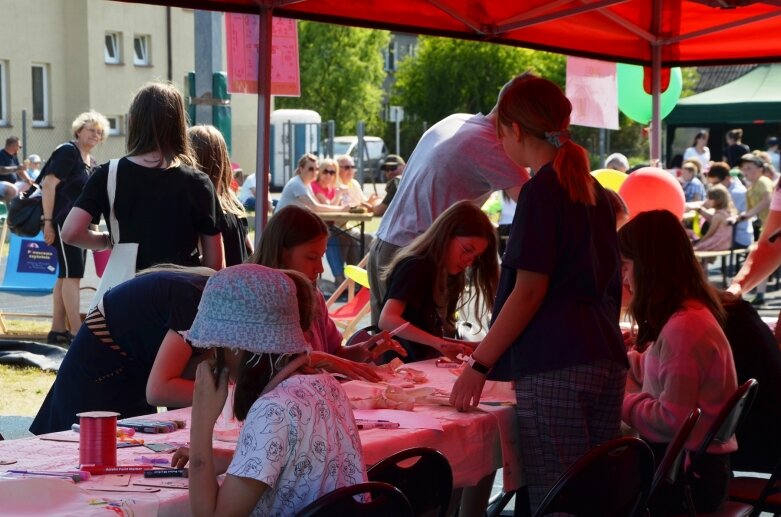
(59, 338)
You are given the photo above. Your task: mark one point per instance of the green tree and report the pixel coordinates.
(448, 76)
(341, 74)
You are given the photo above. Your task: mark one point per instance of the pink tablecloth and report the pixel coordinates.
(475, 443)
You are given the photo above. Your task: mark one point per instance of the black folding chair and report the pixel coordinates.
(427, 483)
(386, 501)
(729, 419)
(611, 480)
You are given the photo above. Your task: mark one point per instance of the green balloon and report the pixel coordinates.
(635, 102)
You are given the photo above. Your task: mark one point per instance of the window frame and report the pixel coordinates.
(4, 93)
(119, 125)
(116, 38)
(46, 99)
(146, 42)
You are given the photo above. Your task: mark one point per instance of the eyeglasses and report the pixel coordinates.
(347, 166)
(329, 171)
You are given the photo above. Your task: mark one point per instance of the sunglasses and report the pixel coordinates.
(310, 169)
(347, 166)
(390, 168)
(329, 171)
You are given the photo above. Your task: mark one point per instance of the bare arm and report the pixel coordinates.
(392, 317)
(213, 252)
(236, 496)
(519, 309)
(317, 207)
(48, 190)
(763, 204)
(762, 261)
(166, 385)
(76, 231)
(379, 209)
(715, 223)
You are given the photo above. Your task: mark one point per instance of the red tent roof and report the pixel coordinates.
(703, 32)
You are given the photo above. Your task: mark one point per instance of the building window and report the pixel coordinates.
(3, 93)
(112, 50)
(141, 50)
(390, 57)
(116, 125)
(40, 95)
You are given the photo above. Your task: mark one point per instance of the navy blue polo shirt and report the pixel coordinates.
(8, 160)
(576, 246)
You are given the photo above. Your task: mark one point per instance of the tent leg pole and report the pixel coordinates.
(264, 117)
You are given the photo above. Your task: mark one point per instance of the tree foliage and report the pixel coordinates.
(341, 74)
(449, 76)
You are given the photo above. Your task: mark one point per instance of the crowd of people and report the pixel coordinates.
(207, 308)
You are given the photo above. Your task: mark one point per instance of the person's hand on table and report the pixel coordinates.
(452, 348)
(467, 389)
(180, 457)
(351, 369)
(380, 343)
(209, 395)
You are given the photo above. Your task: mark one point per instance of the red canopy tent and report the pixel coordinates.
(655, 33)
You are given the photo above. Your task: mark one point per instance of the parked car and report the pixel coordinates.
(374, 152)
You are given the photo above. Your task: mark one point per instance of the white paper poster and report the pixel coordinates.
(592, 89)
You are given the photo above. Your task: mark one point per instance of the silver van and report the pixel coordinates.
(374, 152)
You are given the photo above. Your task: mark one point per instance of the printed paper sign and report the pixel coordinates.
(37, 257)
(242, 32)
(593, 91)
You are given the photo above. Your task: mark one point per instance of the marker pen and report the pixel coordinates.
(166, 473)
(119, 469)
(377, 424)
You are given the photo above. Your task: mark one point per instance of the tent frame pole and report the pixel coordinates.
(264, 121)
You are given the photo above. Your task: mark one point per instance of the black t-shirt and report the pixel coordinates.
(140, 311)
(67, 165)
(733, 153)
(412, 281)
(163, 210)
(391, 187)
(234, 235)
(8, 160)
(576, 246)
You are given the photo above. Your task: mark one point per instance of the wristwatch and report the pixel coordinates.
(477, 366)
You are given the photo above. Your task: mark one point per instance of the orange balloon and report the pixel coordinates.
(651, 188)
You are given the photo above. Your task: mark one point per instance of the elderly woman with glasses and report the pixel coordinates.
(298, 191)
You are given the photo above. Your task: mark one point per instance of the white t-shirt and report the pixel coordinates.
(354, 192)
(704, 157)
(294, 189)
(245, 192)
(459, 158)
(301, 440)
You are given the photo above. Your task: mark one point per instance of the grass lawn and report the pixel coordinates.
(24, 387)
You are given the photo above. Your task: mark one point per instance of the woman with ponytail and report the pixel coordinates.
(555, 321)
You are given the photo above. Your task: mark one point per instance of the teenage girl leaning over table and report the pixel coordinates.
(427, 279)
(555, 329)
(296, 238)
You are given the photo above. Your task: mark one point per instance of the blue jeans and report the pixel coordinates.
(333, 254)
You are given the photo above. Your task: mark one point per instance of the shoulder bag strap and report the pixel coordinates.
(111, 188)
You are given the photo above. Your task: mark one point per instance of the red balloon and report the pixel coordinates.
(651, 188)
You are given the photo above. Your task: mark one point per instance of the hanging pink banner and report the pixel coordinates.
(242, 31)
(593, 91)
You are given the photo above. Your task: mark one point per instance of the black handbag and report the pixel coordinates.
(25, 213)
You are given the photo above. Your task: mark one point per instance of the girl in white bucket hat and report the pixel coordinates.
(255, 317)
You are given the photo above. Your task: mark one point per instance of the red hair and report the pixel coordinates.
(540, 109)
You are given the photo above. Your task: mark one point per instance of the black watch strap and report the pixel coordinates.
(478, 366)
